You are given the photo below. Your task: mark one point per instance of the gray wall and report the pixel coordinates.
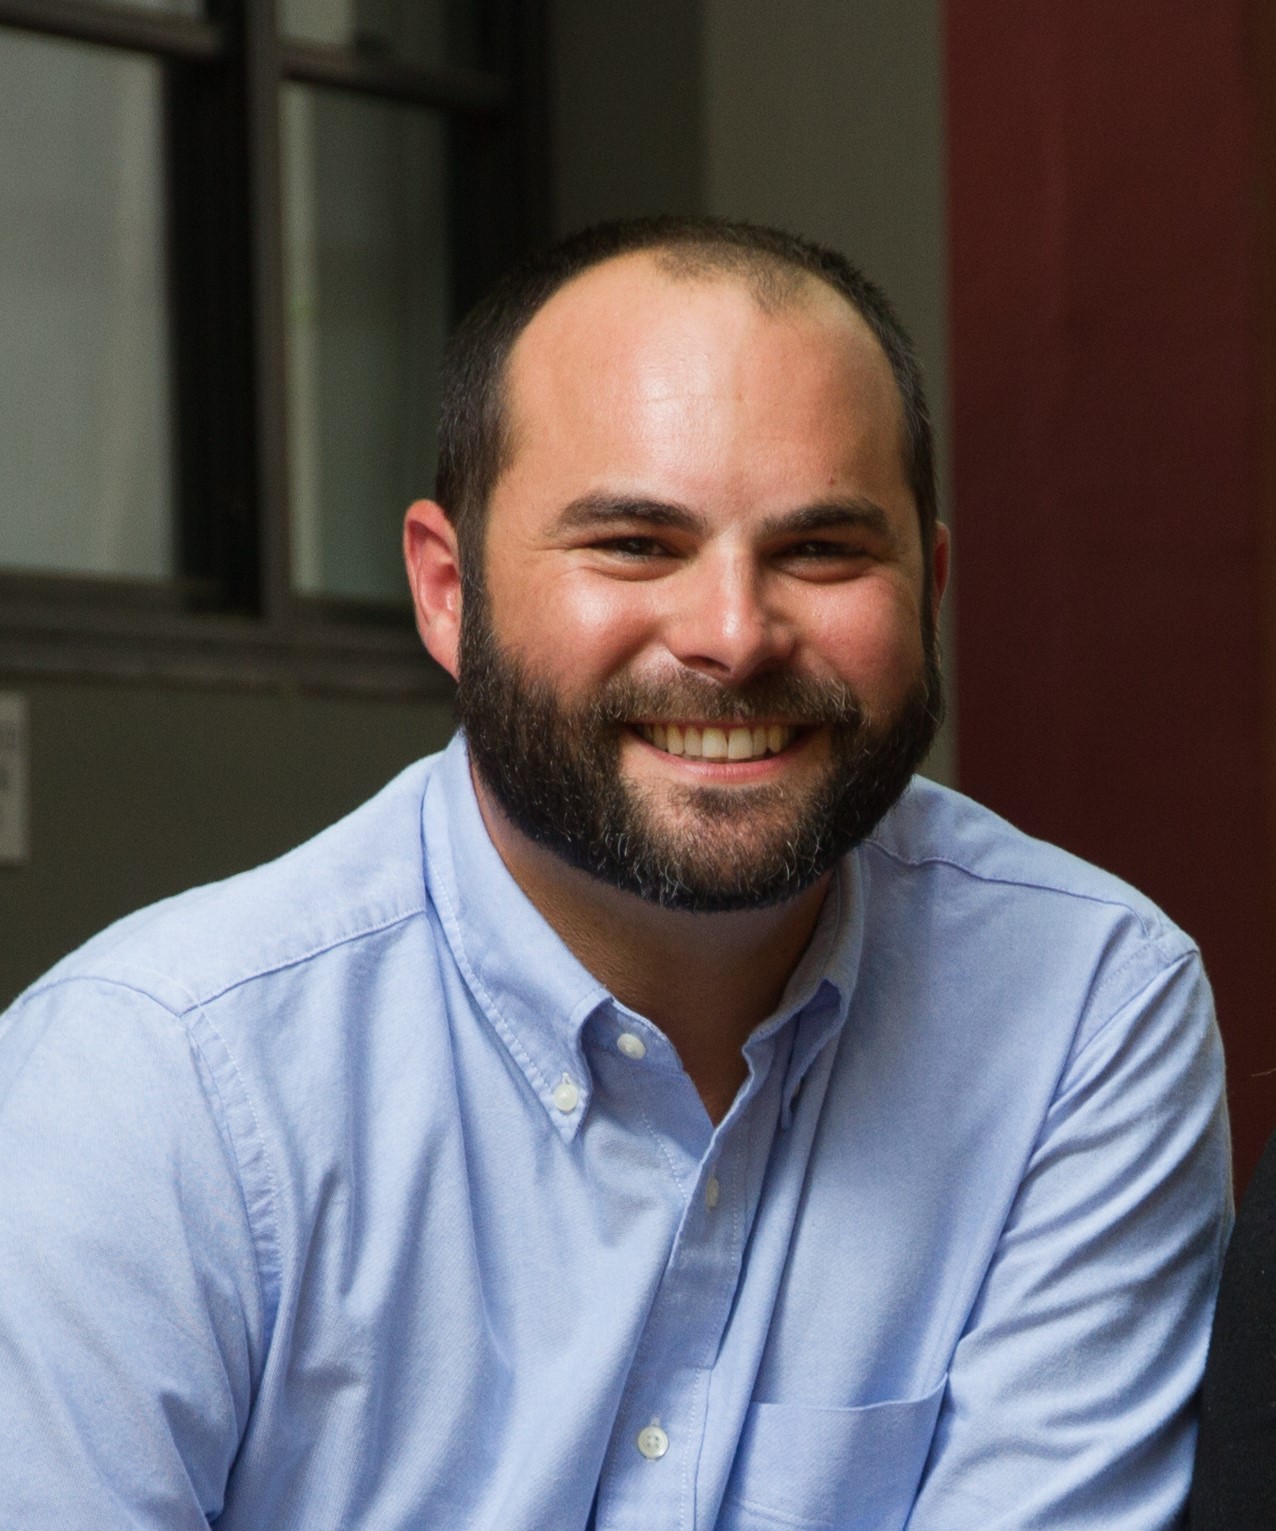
(138, 791)
(626, 109)
(825, 117)
(819, 114)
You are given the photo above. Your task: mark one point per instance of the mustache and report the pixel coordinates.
(766, 698)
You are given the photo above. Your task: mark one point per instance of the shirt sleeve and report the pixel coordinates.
(1071, 1392)
(130, 1308)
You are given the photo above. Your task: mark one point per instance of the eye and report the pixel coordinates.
(824, 558)
(824, 550)
(633, 547)
(818, 548)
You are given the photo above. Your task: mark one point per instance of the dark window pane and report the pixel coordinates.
(425, 32)
(85, 413)
(367, 315)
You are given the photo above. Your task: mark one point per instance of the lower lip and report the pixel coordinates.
(730, 770)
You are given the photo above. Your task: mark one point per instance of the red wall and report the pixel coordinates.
(1108, 498)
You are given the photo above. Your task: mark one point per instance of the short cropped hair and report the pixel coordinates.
(475, 441)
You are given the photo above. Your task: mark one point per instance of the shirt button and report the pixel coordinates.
(632, 1046)
(652, 1442)
(711, 1192)
(566, 1094)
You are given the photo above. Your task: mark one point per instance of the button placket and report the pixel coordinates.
(647, 1476)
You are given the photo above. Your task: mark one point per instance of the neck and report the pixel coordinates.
(707, 980)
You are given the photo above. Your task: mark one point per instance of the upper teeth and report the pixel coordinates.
(718, 743)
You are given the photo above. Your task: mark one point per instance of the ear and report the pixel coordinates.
(434, 573)
(939, 563)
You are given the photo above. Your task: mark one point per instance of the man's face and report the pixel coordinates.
(700, 663)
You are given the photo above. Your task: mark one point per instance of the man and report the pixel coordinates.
(630, 1118)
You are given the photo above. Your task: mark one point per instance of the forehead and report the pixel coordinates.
(634, 345)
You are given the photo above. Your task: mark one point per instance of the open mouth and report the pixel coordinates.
(701, 742)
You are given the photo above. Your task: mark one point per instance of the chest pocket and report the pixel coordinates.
(843, 1469)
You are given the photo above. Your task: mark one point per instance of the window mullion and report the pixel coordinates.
(123, 26)
(256, 28)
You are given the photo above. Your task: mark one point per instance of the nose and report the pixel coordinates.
(725, 621)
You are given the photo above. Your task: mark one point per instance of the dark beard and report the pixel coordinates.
(555, 773)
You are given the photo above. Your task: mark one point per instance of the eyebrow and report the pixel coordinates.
(596, 510)
(830, 516)
(592, 511)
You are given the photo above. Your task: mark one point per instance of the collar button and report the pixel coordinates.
(566, 1095)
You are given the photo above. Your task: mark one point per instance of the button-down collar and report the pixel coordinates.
(539, 997)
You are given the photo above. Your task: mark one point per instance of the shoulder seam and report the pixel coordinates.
(218, 1111)
(1171, 962)
(194, 999)
(399, 918)
(266, 1247)
(917, 863)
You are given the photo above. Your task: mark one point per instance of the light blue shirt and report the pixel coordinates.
(341, 1195)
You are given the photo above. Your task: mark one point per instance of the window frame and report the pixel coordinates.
(232, 615)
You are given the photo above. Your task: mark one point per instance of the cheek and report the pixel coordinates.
(570, 625)
(876, 647)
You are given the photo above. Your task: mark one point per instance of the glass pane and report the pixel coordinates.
(424, 32)
(367, 317)
(85, 414)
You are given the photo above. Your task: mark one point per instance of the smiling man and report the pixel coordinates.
(659, 1109)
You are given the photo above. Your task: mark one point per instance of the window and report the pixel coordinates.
(234, 236)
